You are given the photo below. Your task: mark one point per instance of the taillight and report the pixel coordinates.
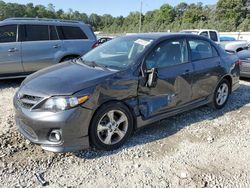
(239, 62)
(95, 45)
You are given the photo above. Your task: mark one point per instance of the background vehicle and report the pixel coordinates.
(30, 44)
(104, 39)
(235, 45)
(225, 38)
(120, 86)
(211, 34)
(244, 56)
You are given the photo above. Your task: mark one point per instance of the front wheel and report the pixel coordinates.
(111, 126)
(221, 94)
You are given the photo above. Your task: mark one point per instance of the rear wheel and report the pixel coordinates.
(221, 94)
(112, 125)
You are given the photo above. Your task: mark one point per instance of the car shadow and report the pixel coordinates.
(4, 84)
(172, 125)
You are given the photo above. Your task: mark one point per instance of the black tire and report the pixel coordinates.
(95, 138)
(215, 103)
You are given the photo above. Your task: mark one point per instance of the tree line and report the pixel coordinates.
(226, 15)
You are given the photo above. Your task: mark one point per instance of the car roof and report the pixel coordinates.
(156, 36)
(43, 21)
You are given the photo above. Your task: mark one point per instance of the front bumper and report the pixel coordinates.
(36, 126)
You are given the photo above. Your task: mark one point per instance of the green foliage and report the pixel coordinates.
(226, 15)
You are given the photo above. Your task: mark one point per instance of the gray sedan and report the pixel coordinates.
(99, 99)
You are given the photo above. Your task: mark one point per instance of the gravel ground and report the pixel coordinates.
(200, 148)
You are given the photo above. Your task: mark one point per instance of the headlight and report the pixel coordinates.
(63, 103)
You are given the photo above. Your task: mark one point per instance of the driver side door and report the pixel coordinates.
(173, 80)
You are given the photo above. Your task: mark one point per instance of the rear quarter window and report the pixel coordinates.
(201, 49)
(71, 33)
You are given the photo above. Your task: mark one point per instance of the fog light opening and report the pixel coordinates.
(55, 136)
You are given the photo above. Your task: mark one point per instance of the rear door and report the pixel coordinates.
(174, 83)
(207, 67)
(10, 51)
(75, 40)
(40, 46)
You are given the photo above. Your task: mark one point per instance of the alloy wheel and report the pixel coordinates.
(222, 94)
(112, 127)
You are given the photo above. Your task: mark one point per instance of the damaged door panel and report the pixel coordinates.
(207, 67)
(173, 85)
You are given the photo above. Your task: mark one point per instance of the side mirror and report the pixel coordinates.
(152, 76)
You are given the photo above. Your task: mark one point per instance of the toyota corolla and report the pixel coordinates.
(99, 99)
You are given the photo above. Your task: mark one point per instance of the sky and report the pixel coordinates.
(113, 7)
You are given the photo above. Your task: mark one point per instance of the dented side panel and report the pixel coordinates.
(173, 89)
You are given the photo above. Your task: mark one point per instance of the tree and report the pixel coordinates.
(165, 15)
(226, 15)
(94, 20)
(194, 14)
(180, 9)
(233, 11)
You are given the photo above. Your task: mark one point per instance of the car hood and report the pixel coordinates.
(65, 79)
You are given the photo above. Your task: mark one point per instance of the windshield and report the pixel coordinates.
(118, 53)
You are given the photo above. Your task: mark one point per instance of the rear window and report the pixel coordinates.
(71, 33)
(204, 34)
(213, 36)
(35, 33)
(201, 49)
(8, 33)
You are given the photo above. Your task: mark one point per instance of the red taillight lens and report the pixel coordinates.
(239, 62)
(95, 45)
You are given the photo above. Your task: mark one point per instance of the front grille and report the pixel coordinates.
(28, 101)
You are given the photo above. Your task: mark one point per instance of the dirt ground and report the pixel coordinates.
(200, 148)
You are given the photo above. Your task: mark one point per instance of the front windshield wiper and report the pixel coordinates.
(92, 64)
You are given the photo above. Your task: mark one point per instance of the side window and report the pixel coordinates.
(52, 33)
(8, 33)
(204, 34)
(71, 33)
(213, 36)
(200, 49)
(171, 52)
(36, 33)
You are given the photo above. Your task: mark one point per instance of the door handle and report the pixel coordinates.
(56, 46)
(12, 50)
